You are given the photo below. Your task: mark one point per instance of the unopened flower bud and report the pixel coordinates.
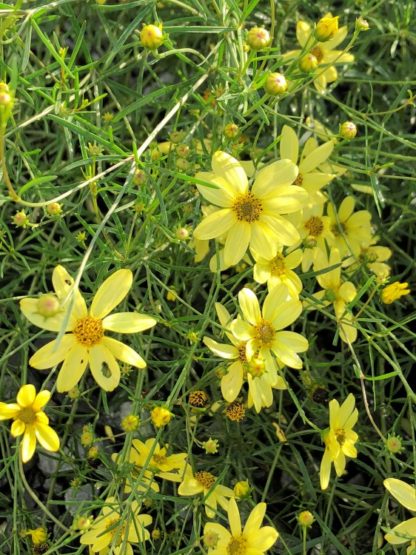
(306, 519)
(139, 177)
(326, 28)
(160, 416)
(242, 489)
(231, 130)
(258, 38)
(21, 219)
(348, 130)
(48, 305)
(54, 209)
(362, 24)
(151, 36)
(182, 233)
(308, 63)
(275, 84)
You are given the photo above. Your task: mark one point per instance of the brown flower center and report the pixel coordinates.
(340, 435)
(264, 333)
(242, 352)
(248, 208)
(27, 415)
(206, 479)
(298, 180)
(315, 226)
(235, 411)
(317, 52)
(277, 265)
(159, 459)
(88, 331)
(237, 546)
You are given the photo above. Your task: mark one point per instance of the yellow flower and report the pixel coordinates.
(37, 535)
(249, 218)
(351, 231)
(116, 528)
(394, 291)
(310, 176)
(405, 494)
(253, 539)
(326, 27)
(210, 446)
(152, 457)
(324, 52)
(86, 344)
(161, 416)
(30, 421)
(206, 483)
(262, 329)
(130, 423)
(306, 519)
(339, 438)
(337, 292)
(151, 36)
(242, 489)
(278, 270)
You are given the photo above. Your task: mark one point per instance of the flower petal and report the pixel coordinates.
(281, 172)
(255, 518)
(128, 322)
(265, 538)
(403, 532)
(30, 307)
(215, 225)
(104, 367)
(9, 410)
(242, 330)
(303, 32)
(285, 232)
(325, 470)
(124, 353)
(219, 194)
(222, 350)
(289, 144)
(249, 305)
(316, 157)
(236, 244)
(42, 398)
(47, 437)
(231, 170)
(17, 428)
(404, 493)
(75, 363)
(28, 445)
(53, 352)
(232, 382)
(26, 395)
(111, 292)
(234, 518)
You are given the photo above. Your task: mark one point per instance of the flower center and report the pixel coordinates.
(237, 546)
(206, 479)
(248, 208)
(88, 331)
(315, 226)
(340, 435)
(242, 352)
(277, 265)
(317, 52)
(235, 411)
(298, 180)
(257, 367)
(159, 460)
(27, 415)
(264, 333)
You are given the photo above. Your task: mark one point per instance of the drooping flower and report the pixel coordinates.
(324, 53)
(116, 528)
(339, 438)
(206, 483)
(405, 494)
(86, 343)
(253, 539)
(30, 421)
(262, 330)
(249, 217)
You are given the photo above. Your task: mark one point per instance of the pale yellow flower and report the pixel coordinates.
(351, 231)
(116, 528)
(262, 330)
(206, 483)
(336, 292)
(404, 532)
(278, 270)
(30, 421)
(253, 539)
(86, 344)
(339, 438)
(249, 217)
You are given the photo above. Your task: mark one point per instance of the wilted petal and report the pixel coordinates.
(104, 367)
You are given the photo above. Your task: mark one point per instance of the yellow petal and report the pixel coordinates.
(17, 428)
(63, 285)
(104, 367)
(29, 308)
(403, 532)
(42, 398)
(284, 231)
(47, 437)
(111, 292)
(337, 38)
(234, 518)
(289, 144)
(303, 32)
(28, 445)
(263, 241)
(265, 538)
(221, 349)
(52, 353)
(282, 172)
(8, 410)
(62, 281)
(215, 225)
(26, 395)
(74, 366)
(232, 382)
(255, 519)
(128, 322)
(219, 194)
(325, 470)
(231, 170)
(124, 353)
(249, 305)
(316, 157)
(404, 493)
(236, 244)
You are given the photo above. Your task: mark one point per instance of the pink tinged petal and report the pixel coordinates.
(265, 538)
(42, 398)
(128, 322)
(26, 395)
(111, 293)
(9, 410)
(231, 170)
(249, 305)
(325, 470)
(215, 225)
(280, 173)
(316, 157)
(104, 367)
(47, 437)
(255, 518)
(29, 308)
(218, 194)
(403, 532)
(17, 428)
(289, 144)
(28, 445)
(236, 244)
(284, 231)
(74, 366)
(232, 382)
(221, 349)
(404, 493)
(234, 518)
(53, 353)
